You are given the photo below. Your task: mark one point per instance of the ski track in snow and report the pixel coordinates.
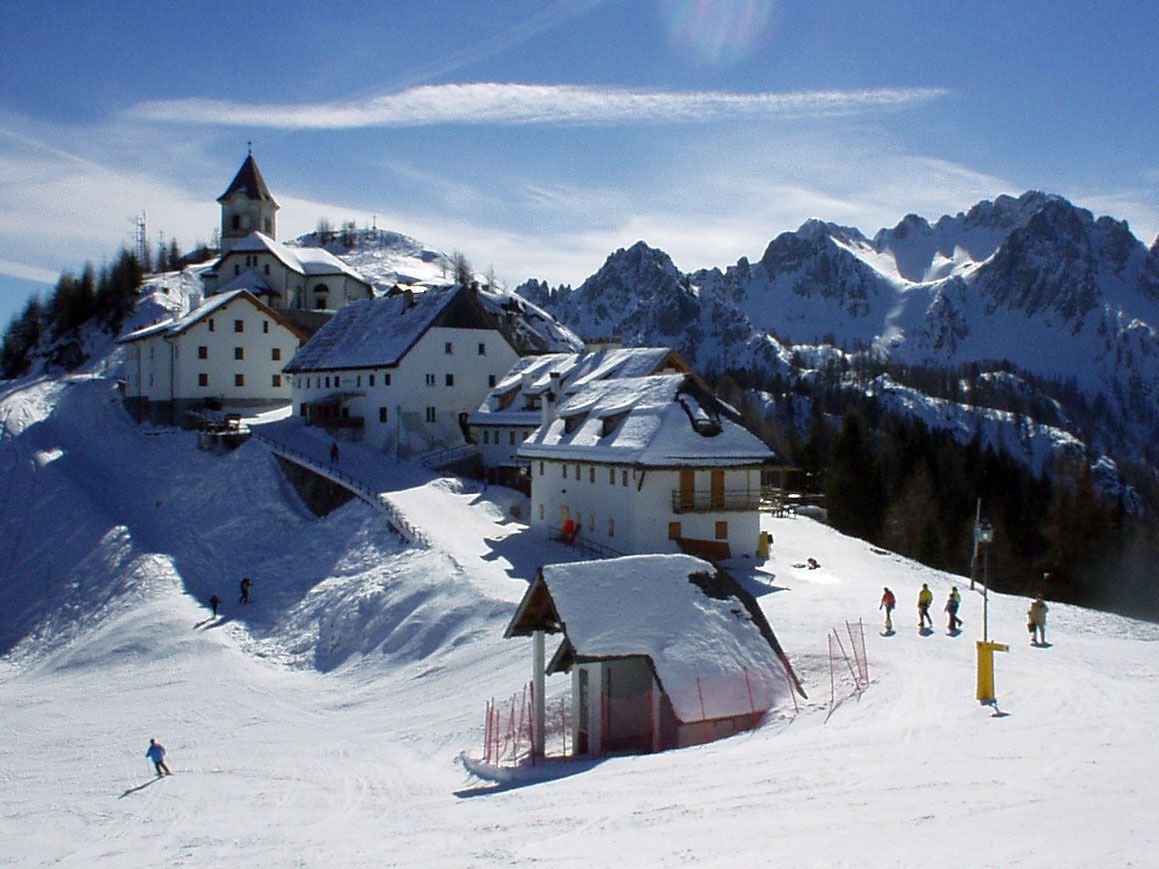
(319, 725)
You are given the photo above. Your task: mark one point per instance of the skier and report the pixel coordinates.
(214, 603)
(156, 753)
(925, 599)
(334, 453)
(812, 563)
(888, 602)
(1036, 621)
(246, 584)
(952, 603)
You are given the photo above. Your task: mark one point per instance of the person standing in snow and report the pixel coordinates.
(925, 600)
(952, 603)
(1036, 624)
(888, 602)
(156, 753)
(246, 584)
(334, 453)
(214, 603)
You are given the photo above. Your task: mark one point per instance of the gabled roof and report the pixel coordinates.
(378, 333)
(251, 280)
(171, 327)
(532, 376)
(248, 182)
(701, 631)
(303, 260)
(667, 420)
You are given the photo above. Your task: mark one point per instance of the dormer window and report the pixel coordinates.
(571, 423)
(609, 423)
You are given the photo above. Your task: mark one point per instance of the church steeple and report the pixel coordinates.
(247, 206)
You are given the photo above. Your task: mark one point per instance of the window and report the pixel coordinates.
(239, 325)
(511, 438)
(430, 380)
(611, 527)
(203, 379)
(239, 380)
(265, 327)
(591, 521)
(382, 414)
(277, 380)
(276, 354)
(564, 466)
(486, 436)
(236, 269)
(337, 381)
(673, 530)
(623, 478)
(371, 380)
(239, 353)
(211, 324)
(450, 380)
(722, 531)
(386, 378)
(430, 414)
(327, 381)
(448, 348)
(541, 515)
(611, 476)
(577, 472)
(482, 349)
(491, 380)
(526, 434)
(541, 469)
(357, 380)
(592, 474)
(266, 268)
(203, 352)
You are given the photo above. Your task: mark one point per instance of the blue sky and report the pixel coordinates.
(537, 137)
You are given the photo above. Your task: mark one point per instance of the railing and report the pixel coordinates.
(380, 502)
(581, 542)
(448, 456)
(338, 422)
(707, 501)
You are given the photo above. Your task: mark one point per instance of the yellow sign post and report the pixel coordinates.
(986, 652)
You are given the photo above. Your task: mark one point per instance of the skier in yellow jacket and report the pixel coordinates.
(925, 600)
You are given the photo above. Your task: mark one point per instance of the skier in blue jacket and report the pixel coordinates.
(156, 753)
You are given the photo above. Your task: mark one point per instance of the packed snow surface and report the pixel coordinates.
(320, 724)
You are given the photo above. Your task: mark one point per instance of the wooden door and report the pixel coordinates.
(687, 488)
(718, 490)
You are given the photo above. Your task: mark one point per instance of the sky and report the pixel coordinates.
(538, 137)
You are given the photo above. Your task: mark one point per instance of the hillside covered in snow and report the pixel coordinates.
(320, 724)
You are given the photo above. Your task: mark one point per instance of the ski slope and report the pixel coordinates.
(320, 725)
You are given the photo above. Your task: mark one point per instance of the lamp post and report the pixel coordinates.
(983, 537)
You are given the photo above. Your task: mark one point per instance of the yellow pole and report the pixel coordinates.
(986, 652)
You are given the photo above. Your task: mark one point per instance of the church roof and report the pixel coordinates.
(248, 182)
(303, 260)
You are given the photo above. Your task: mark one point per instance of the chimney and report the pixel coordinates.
(551, 399)
(408, 299)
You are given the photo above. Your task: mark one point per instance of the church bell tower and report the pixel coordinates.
(247, 206)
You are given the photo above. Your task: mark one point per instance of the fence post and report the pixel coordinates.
(703, 714)
(749, 686)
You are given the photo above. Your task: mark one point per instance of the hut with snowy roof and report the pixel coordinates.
(515, 407)
(647, 464)
(402, 372)
(664, 651)
(229, 350)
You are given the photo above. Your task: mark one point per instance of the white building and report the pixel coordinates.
(515, 408)
(647, 464)
(664, 651)
(289, 278)
(227, 351)
(402, 372)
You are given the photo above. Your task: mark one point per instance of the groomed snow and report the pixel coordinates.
(319, 726)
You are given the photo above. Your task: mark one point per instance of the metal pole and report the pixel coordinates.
(974, 556)
(986, 593)
(538, 716)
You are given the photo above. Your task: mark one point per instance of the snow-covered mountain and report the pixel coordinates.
(1033, 285)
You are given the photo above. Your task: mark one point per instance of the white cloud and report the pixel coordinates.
(518, 104)
(26, 272)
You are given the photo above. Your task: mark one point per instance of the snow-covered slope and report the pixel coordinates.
(319, 725)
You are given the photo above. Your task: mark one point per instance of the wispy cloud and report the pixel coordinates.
(522, 104)
(26, 272)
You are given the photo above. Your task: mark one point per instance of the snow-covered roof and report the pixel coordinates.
(532, 376)
(667, 420)
(302, 260)
(251, 280)
(377, 333)
(702, 646)
(171, 326)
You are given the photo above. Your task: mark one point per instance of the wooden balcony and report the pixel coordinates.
(710, 501)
